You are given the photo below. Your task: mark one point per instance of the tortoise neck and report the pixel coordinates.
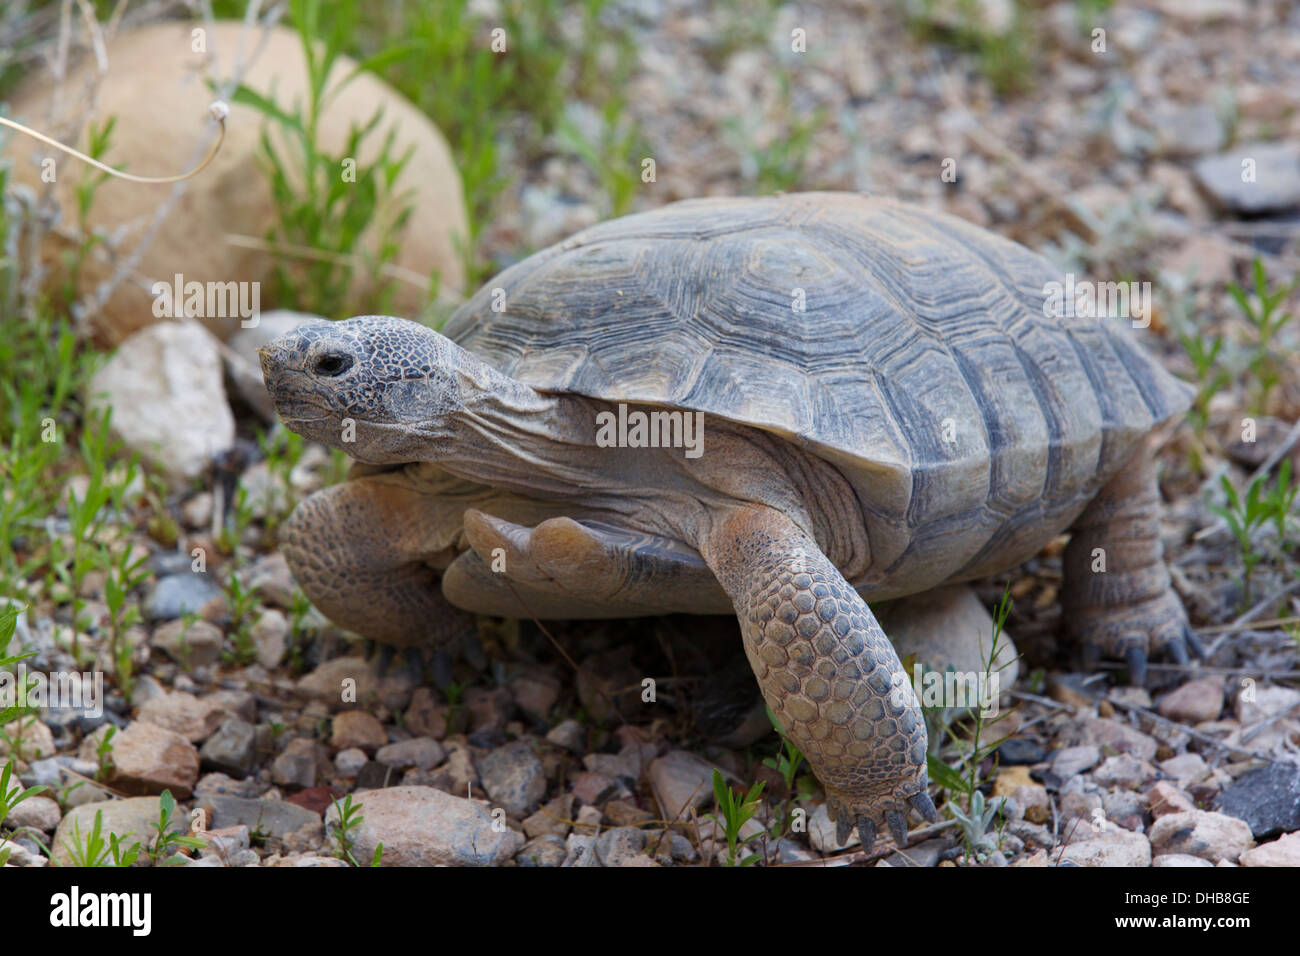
(510, 435)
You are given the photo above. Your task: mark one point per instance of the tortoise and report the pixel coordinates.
(883, 405)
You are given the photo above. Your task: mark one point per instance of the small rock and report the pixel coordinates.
(176, 595)
(1185, 768)
(270, 577)
(680, 781)
(231, 749)
(1211, 836)
(1164, 798)
(488, 709)
(37, 812)
(33, 738)
(546, 850)
(570, 735)
(1194, 702)
(421, 752)
(425, 716)
(356, 728)
(1179, 859)
(1268, 799)
(1281, 852)
(276, 819)
(195, 719)
(196, 511)
(349, 762)
(270, 637)
(624, 813)
(924, 854)
(553, 818)
(1074, 760)
(299, 765)
(1019, 750)
(148, 759)
(1124, 770)
(355, 675)
(190, 645)
(1273, 186)
(1113, 847)
(421, 826)
(615, 847)
(1104, 733)
(513, 778)
(536, 693)
(164, 385)
(225, 843)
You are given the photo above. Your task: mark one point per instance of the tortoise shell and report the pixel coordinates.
(909, 348)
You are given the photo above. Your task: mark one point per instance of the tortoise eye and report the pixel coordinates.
(333, 364)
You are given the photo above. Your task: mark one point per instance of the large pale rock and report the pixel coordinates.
(169, 404)
(421, 826)
(148, 759)
(156, 91)
(1115, 847)
(1211, 836)
(133, 820)
(196, 719)
(948, 628)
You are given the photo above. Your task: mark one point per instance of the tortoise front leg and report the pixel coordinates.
(1118, 600)
(359, 551)
(827, 670)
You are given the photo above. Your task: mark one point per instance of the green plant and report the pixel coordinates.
(1244, 517)
(344, 832)
(975, 824)
(168, 842)
(104, 754)
(8, 625)
(614, 153)
(736, 811)
(1209, 378)
(241, 602)
(10, 797)
(1262, 313)
(325, 202)
(789, 760)
(124, 576)
(971, 751)
(778, 163)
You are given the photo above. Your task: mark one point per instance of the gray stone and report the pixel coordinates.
(349, 762)
(422, 752)
(1267, 799)
(1179, 860)
(38, 812)
(545, 850)
(514, 778)
(179, 594)
(270, 636)
(568, 734)
(1112, 847)
(1276, 177)
(1211, 836)
(164, 386)
(680, 781)
(231, 749)
(1074, 760)
(614, 847)
(276, 819)
(301, 762)
(1123, 770)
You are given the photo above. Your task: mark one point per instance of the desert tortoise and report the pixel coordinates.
(886, 407)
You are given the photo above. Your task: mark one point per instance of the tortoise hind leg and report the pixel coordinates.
(1118, 599)
(827, 670)
(359, 552)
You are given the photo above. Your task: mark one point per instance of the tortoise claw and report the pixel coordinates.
(923, 805)
(1136, 658)
(843, 827)
(1193, 643)
(1178, 651)
(897, 827)
(866, 833)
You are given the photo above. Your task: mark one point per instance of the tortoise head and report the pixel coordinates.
(382, 389)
